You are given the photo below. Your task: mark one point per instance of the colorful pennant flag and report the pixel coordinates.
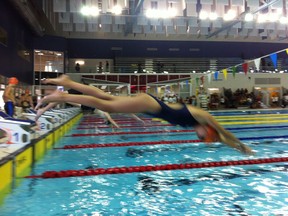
(257, 63)
(209, 77)
(225, 73)
(245, 68)
(216, 75)
(274, 59)
(234, 71)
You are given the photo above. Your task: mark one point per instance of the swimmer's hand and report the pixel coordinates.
(39, 113)
(38, 106)
(245, 149)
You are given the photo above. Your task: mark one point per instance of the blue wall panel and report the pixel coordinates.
(83, 48)
(20, 38)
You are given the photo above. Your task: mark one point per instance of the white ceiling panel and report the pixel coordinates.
(170, 30)
(222, 2)
(270, 26)
(204, 31)
(281, 27)
(252, 3)
(191, 9)
(248, 25)
(217, 23)
(193, 30)
(105, 28)
(209, 2)
(181, 30)
(277, 4)
(77, 18)
(75, 6)
(64, 17)
(191, 1)
(237, 25)
(259, 26)
(193, 21)
(223, 33)
(233, 31)
(92, 20)
(282, 34)
(180, 22)
(67, 27)
(59, 6)
(141, 20)
(106, 19)
(119, 20)
(148, 29)
(80, 27)
(160, 29)
(92, 27)
(239, 2)
(155, 21)
(167, 22)
(204, 23)
(117, 28)
(137, 29)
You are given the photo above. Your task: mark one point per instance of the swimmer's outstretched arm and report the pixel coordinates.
(137, 118)
(226, 137)
(108, 116)
(44, 109)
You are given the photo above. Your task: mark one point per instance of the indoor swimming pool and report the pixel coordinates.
(176, 188)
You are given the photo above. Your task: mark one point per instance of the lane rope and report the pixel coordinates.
(162, 142)
(167, 125)
(166, 131)
(123, 133)
(151, 168)
(126, 126)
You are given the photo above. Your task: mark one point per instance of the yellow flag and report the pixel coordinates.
(225, 73)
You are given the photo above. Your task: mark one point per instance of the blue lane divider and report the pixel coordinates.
(258, 127)
(263, 137)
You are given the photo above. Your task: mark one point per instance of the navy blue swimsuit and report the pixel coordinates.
(180, 117)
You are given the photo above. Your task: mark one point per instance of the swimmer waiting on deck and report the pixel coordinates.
(177, 114)
(26, 100)
(9, 96)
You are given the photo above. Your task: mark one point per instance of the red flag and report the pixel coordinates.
(245, 68)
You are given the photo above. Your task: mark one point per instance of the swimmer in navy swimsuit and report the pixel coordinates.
(178, 114)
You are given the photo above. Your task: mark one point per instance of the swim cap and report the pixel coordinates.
(211, 135)
(13, 81)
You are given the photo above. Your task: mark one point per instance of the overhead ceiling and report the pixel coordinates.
(67, 21)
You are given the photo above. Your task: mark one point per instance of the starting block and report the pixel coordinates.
(18, 131)
(46, 123)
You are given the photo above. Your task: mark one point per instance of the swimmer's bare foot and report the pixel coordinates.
(61, 80)
(56, 96)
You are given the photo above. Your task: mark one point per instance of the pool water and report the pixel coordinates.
(232, 190)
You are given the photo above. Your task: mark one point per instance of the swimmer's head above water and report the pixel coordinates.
(207, 133)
